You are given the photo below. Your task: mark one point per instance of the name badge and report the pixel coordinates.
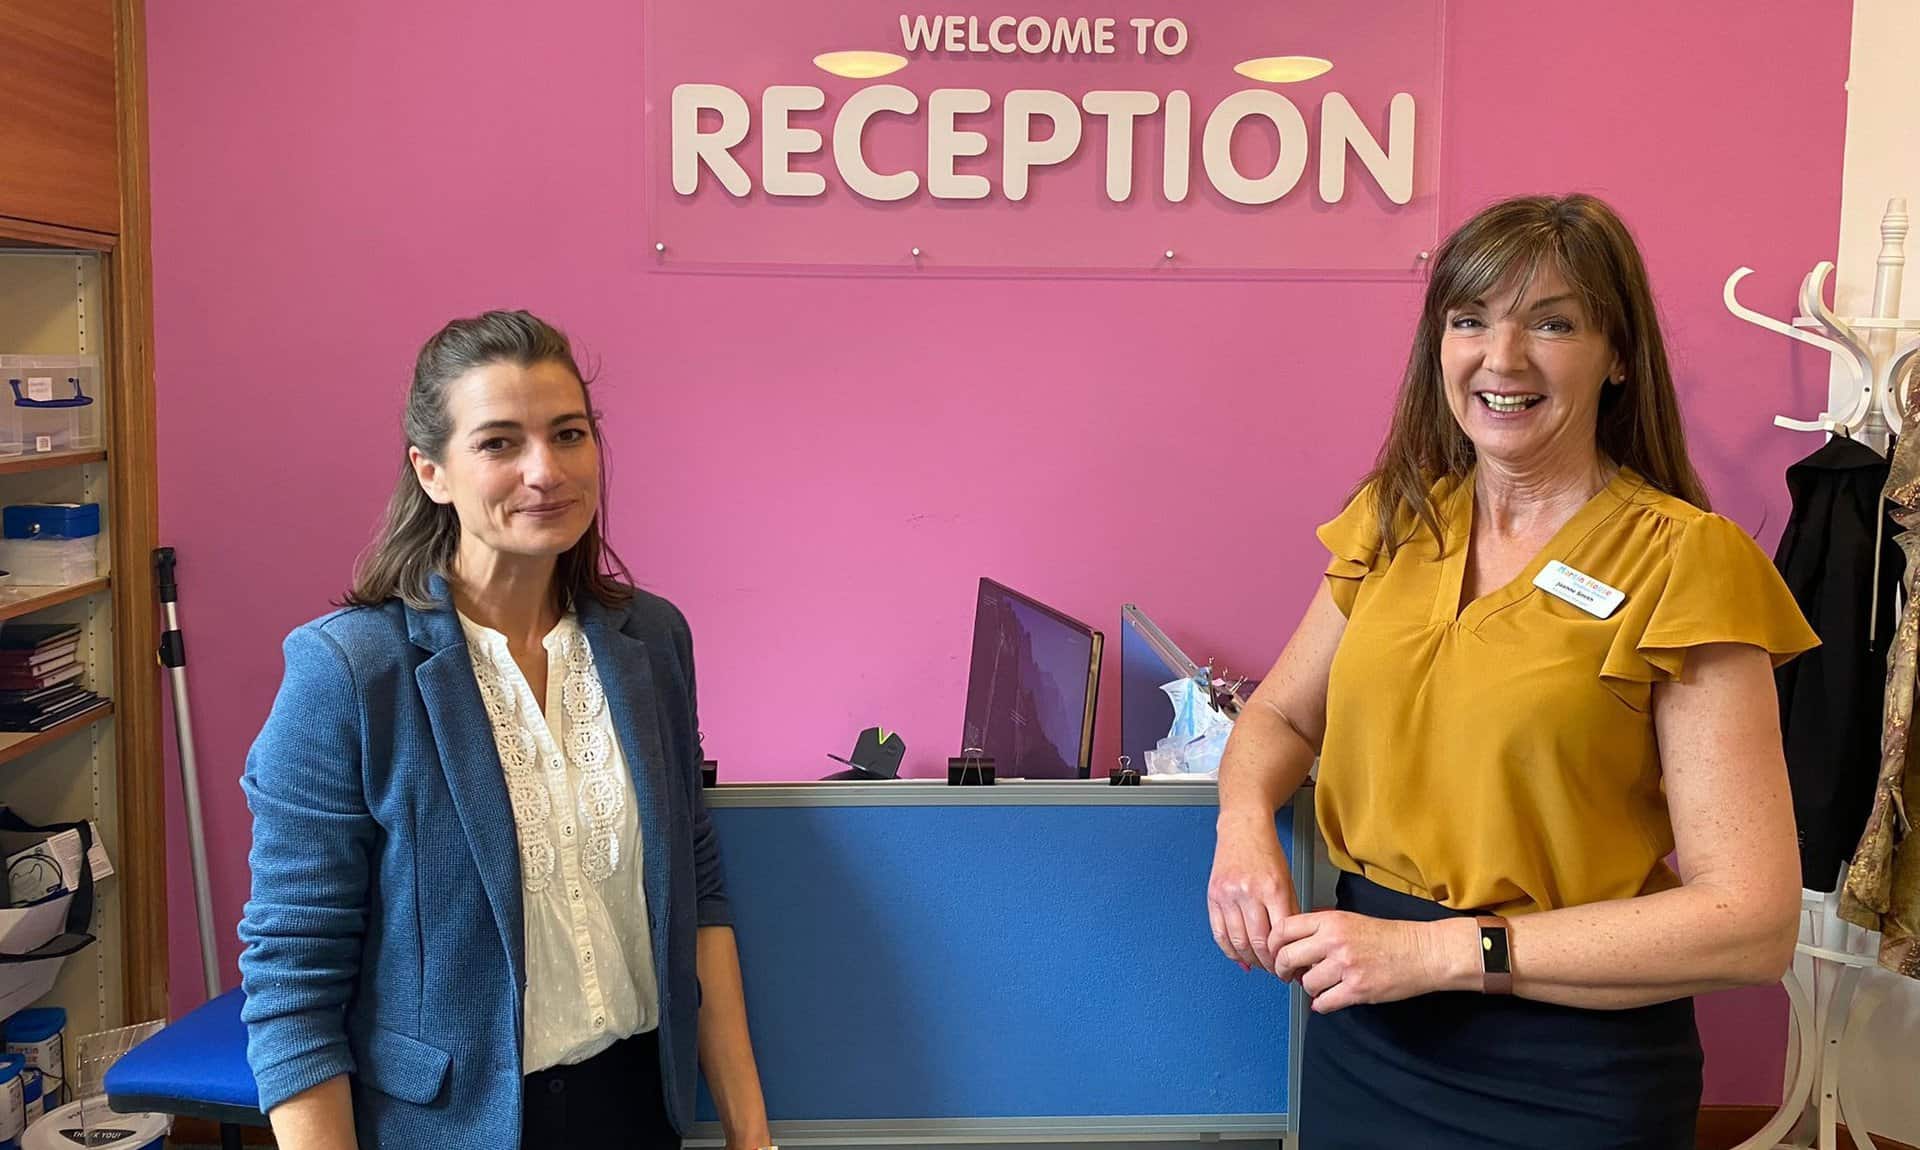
(1583, 591)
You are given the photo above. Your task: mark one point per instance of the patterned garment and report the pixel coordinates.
(590, 970)
(1882, 888)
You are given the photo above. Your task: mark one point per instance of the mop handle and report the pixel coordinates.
(173, 655)
(173, 645)
(163, 574)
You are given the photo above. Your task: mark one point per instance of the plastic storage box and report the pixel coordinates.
(51, 562)
(49, 403)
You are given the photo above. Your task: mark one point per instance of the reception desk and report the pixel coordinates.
(1028, 962)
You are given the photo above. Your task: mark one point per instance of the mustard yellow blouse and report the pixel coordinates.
(1501, 756)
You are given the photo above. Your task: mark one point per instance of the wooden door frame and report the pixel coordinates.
(132, 467)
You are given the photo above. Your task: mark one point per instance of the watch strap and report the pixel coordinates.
(1496, 954)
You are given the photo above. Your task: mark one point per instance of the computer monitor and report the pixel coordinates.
(1031, 687)
(1147, 660)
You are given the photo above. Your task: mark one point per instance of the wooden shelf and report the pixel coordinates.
(21, 464)
(13, 744)
(25, 599)
(35, 236)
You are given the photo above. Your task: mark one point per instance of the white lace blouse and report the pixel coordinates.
(590, 974)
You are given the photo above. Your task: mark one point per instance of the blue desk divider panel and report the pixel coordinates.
(1035, 950)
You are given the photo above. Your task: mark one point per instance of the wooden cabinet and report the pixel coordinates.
(75, 279)
(73, 771)
(59, 133)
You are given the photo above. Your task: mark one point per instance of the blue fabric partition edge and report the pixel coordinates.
(1019, 961)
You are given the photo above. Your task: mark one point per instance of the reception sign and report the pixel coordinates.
(1299, 136)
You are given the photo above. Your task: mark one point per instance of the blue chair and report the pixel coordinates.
(195, 1068)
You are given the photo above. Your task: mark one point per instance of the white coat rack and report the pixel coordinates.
(1875, 353)
(1868, 348)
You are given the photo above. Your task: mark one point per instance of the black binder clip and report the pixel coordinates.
(1125, 775)
(971, 769)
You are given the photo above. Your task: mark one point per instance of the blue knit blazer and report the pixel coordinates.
(384, 936)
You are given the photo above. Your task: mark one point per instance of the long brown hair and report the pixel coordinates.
(419, 538)
(1586, 242)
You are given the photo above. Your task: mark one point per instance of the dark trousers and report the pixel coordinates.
(1456, 1071)
(612, 1099)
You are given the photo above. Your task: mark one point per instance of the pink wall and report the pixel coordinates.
(808, 466)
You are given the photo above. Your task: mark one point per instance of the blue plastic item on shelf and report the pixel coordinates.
(39, 1035)
(47, 404)
(13, 1113)
(50, 520)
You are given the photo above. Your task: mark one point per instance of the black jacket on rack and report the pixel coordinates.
(1831, 698)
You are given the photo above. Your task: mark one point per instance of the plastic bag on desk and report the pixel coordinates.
(1198, 737)
(1197, 758)
(1193, 713)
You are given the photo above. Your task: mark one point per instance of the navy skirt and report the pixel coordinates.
(1477, 1071)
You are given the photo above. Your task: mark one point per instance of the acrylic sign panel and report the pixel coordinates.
(1078, 137)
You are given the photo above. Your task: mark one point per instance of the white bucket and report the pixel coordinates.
(89, 1122)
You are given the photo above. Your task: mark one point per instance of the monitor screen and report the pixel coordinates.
(1148, 660)
(1031, 687)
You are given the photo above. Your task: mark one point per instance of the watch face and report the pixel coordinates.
(1493, 950)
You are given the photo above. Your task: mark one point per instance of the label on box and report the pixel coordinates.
(48, 1059)
(97, 855)
(13, 1110)
(40, 387)
(54, 865)
(43, 443)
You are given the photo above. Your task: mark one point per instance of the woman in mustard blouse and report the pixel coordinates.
(1538, 668)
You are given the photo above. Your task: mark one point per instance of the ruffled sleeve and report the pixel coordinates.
(1720, 588)
(1352, 540)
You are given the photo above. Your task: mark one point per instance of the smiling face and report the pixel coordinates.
(522, 467)
(1523, 367)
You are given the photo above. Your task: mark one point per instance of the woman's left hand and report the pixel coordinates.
(1344, 959)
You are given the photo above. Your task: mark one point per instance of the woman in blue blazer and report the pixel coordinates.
(486, 894)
